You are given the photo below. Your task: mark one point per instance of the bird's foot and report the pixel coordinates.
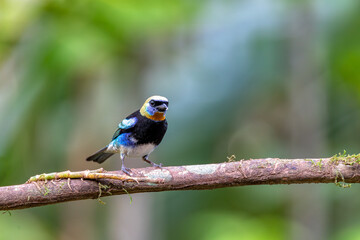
(146, 159)
(156, 165)
(126, 170)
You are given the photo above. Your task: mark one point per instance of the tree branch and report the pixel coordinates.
(338, 169)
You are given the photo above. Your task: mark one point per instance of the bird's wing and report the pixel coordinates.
(127, 123)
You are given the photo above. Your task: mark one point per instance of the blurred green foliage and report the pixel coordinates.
(23, 227)
(71, 70)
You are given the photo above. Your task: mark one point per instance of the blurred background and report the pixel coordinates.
(253, 78)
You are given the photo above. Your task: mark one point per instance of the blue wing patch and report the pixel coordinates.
(125, 124)
(125, 139)
(128, 123)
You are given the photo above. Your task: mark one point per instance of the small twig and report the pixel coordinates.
(87, 174)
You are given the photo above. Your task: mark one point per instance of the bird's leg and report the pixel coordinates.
(146, 159)
(123, 168)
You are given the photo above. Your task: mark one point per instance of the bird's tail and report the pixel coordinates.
(100, 156)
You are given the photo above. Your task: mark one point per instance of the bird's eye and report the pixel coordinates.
(152, 103)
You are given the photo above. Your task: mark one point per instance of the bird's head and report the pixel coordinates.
(155, 108)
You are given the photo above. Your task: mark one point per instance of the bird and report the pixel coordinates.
(138, 134)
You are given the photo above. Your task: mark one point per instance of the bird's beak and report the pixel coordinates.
(162, 107)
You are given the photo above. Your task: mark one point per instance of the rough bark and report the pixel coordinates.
(194, 177)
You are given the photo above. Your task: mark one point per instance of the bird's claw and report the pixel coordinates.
(157, 165)
(126, 170)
